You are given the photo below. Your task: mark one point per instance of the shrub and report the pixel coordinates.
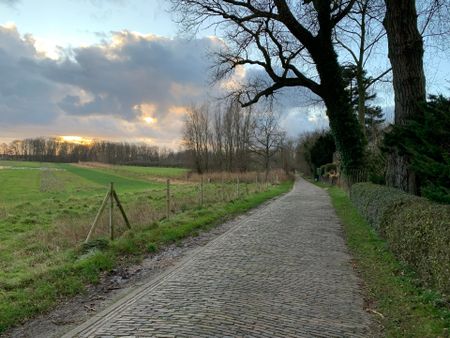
(417, 230)
(426, 141)
(326, 168)
(375, 201)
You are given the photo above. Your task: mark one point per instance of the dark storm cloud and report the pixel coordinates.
(114, 78)
(131, 70)
(24, 92)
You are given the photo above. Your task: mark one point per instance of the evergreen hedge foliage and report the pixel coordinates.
(417, 230)
(426, 141)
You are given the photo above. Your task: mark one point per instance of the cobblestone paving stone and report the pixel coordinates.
(282, 272)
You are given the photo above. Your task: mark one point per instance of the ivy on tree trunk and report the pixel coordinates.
(405, 46)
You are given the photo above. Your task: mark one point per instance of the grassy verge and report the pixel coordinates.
(404, 308)
(86, 264)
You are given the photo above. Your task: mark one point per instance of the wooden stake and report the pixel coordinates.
(168, 199)
(111, 207)
(97, 217)
(201, 191)
(237, 187)
(223, 189)
(122, 211)
(111, 195)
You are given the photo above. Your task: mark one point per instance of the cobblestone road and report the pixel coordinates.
(281, 272)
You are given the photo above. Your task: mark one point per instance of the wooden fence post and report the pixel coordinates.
(223, 189)
(111, 195)
(237, 187)
(168, 199)
(201, 191)
(97, 217)
(122, 211)
(111, 207)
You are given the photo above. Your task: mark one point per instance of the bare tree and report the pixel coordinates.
(287, 156)
(267, 137)
(242, 121)
(218, 141)
(229, 140)
(359, 34)
(292, 43)
(197, 136)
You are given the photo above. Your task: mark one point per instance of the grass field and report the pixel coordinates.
(46, 211)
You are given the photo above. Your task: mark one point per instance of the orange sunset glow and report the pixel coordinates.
(76, 139)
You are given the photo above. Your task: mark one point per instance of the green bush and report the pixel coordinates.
(426, 141)
(375, 201)
(417, 230)
(326, 168)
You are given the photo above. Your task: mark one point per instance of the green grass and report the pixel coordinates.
(103, 178)
(407, 309)
(25, 164)
(46, 214)
(154, 171)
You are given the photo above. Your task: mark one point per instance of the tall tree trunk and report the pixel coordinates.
(361, 99)
(406, 55)
(344, 123)
(360, 70)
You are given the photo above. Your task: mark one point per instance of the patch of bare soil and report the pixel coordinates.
(113, 286)
(93, 165)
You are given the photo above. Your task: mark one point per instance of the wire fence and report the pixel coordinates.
(144, 208)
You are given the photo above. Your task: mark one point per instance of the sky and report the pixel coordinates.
(117, 70)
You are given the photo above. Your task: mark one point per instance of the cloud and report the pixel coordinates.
(10, 3)
(24, 92)
(103, 84)
(129, 86)
(300, 109)
(132, 69)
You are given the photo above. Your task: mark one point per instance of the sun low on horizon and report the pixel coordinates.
(76, 139)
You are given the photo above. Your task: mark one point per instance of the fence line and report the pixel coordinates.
(162, 203)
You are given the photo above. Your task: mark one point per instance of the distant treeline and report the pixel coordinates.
(57, 150)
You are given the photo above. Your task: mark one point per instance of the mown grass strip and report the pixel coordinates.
(99, 176)
(404, 308)
(86, 264)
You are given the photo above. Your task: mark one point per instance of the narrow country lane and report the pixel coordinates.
(282, 272)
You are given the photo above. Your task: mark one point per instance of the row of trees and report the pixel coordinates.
(234, 138)
(58, 150)
(302, 43)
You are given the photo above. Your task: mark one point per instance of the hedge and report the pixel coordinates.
(416, 230)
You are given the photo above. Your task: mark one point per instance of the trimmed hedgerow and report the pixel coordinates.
(375, 201)
(417, 230)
